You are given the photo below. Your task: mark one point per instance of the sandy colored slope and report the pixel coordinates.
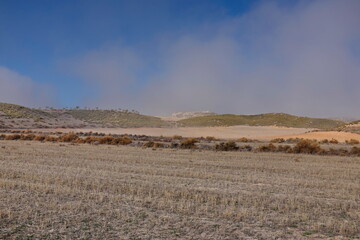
(232, 132)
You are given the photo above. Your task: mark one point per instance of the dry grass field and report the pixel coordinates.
(67, 191)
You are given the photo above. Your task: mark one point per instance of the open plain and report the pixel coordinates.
(70, 191)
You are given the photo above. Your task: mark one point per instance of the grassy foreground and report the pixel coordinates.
(58, 190)
(269, 119)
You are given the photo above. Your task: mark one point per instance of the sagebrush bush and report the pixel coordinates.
(334, 141)
(28, 137)
(210, 138)
(188, 143)
(308, 147)
(149, 144)
(227, 146)
(247, 148)
(278, 140)
(158, 145)
(177, 137)
(284, 149)
(244, 140)
(352, 142)
(70, 137)
(267, 148)
(13, 137)
(39, 138)
(324, 141)
(355, 151)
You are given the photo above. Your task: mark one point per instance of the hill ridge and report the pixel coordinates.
(266, 119)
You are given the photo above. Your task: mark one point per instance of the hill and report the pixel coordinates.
(113, 118)
(16, 116)
(353, 127)
(17, 111)
(269, 119)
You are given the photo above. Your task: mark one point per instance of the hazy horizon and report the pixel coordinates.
(158, 57)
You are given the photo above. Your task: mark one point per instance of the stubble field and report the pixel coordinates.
(66, 191)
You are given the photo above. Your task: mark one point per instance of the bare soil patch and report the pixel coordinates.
(233, 132)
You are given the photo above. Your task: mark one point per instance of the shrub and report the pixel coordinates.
(247, 148)
(334, 141)
(267, 148)
(355, 151)
(149, 144)
(324, 141)
(244, 140)
(106, 140)
(284, 149)
(293, 140)
(51, 139)
(352, 142)
(177, 137)
(125, 141)
(308, 147)
(228, 146)
(28, 137)
(210, 138)
(70, 137)
(338, 152)
(188, 143)
(2, 136)
(278, 140)
(158, 145)
(13, 137)
(39, 138)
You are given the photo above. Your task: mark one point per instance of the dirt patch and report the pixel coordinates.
(233, 132)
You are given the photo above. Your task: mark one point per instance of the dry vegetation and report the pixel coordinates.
(66, 191)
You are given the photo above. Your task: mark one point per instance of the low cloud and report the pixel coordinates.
(22, 90)
(296, 59)
(111, 70)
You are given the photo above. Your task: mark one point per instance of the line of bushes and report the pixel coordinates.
(302, 146)
(70, 138)
(309, 147)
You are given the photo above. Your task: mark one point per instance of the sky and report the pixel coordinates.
(299, 57)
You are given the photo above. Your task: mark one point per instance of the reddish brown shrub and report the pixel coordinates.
(28, 137)
(244, 140)
(334, 141)
(210, 138)
(352, 142)
(70, 137)
(278, 140)
(39, 138)
(228, 146)
(355, 151)
(324, 141)
(284, 149)
(177, 137)
(267, 148)
(188, 143)
(308, 147)
(13, 137)
(51, 139)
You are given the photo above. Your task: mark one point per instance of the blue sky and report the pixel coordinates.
(162, 56)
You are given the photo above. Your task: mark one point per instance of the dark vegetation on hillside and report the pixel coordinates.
(17, 111)
(117, 118)
(15, 116)
(269, 119)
